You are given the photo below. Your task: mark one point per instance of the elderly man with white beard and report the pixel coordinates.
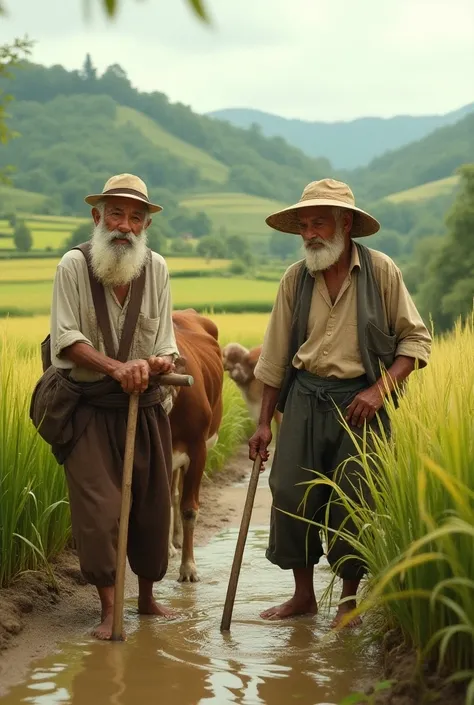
(118, 259)
(343, 335)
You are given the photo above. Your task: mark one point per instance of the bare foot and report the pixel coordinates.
(294, 607)
(342, 612)
(149, 605)
(104, 630)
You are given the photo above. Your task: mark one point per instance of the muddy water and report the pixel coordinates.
(189, 662)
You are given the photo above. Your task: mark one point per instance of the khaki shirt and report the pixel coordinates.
(332, 347)
(73, 318)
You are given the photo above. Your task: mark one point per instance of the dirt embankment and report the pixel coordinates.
(34, 618)
(415, 683)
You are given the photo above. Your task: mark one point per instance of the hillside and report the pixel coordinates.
(433, 158)
(348, 144)
(208, 167)
(78, 127)
(13, 200)
(234, 213)
(105, 125)
(432, 189)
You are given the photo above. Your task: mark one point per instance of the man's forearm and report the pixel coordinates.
(84, 355)
(398, 372)
(269, 402)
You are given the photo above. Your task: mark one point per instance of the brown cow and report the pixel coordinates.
(195, 420)
(240, 364)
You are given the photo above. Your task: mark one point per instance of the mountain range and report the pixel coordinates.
(346, 145)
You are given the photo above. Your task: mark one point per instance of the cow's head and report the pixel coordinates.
(240, 362)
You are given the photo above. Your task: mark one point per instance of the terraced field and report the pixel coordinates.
(48, 231)
(238, 213)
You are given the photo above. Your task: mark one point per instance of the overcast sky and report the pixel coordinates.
(311, 59)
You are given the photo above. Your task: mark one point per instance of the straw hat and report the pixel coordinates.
(326, 192)
(125, 186)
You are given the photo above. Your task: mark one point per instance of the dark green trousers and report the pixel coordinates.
(312, 437)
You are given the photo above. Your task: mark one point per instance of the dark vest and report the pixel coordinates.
(377, 342)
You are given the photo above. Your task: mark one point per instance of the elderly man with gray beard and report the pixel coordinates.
(118, 259)
(343, 335)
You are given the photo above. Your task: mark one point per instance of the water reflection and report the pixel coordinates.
(189, 662)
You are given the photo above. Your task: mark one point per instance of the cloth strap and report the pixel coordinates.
(102, 313)
(328, 390)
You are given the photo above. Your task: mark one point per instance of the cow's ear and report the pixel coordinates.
(180, 365)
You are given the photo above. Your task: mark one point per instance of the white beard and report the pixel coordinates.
(113, 264)
(323, 257)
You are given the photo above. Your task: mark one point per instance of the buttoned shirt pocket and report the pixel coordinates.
(381, 344)
(146, 335)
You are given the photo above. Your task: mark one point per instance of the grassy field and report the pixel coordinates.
(209, 168)
(24, 270)
(238, 213)
(245, 328)
(426, 191)
(14, 200)
(47, 231)
(203, 293)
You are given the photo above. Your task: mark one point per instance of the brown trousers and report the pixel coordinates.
(94, 477)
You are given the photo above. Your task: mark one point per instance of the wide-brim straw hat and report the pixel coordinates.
(125, 186)
(327, 192)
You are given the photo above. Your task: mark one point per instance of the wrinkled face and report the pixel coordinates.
(316, 224)
(119, 240)
(237, 363)
(324, 236)
(123, 217)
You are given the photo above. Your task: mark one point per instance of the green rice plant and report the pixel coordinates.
(234, 429)
(417, 539)
(34, 514)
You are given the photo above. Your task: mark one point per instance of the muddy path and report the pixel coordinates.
(54, 660)
(33, 620)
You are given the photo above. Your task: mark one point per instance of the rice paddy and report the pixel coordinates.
(34, 521)
(237, 213)
(216, 294)
(419, 541)
(24, 270)
(418, 538)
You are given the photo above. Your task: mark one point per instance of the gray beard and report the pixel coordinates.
(321, 258)
(116, 265)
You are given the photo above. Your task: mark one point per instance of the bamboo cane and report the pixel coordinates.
(239, 549)
(169, 379)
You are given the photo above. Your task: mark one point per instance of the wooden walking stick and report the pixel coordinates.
(172, 380)
(239, 549)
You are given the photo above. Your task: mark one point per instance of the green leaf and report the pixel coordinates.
(199, 9)
(383, 685)
(470, 693)
(354, 699)
(110, 7)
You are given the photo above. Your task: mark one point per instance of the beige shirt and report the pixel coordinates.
(332, 347)
(73, 318)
